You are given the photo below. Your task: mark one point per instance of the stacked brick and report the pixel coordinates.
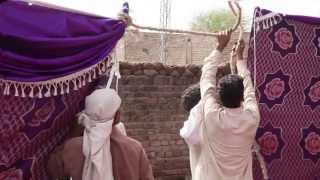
(182, 49)
(152, 113)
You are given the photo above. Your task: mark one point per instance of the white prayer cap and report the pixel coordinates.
(102, 104)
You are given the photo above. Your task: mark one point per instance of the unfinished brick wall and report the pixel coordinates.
(182, 49)
(152, 113)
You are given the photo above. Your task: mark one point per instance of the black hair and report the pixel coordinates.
(190, 97)
(230, 91)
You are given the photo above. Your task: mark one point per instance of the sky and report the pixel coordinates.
(147, 12)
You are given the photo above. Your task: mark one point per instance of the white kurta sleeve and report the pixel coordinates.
(190, 131)
(208, 82)
(250, 103)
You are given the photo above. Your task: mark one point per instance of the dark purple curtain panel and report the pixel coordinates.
(284, 58)
(50, 60)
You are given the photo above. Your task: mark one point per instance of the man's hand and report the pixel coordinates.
(238, 49)
(223, 39)
(223, 69)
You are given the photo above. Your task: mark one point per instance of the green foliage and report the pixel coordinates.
(215, 20)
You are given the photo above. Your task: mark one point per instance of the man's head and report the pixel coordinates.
(103, 104)
(190, 97)
(230, 91)
(102, 83)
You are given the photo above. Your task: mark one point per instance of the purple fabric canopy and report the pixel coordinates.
(39, 43)
(43, 53)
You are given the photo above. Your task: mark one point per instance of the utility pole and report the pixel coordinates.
(165, 13)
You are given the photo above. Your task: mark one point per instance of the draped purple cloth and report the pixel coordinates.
(288, 90)
(39, 44)
(30, 128)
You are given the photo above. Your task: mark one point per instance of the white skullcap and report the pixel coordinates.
(102, 104)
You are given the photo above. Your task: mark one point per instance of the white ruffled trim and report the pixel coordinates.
(58, 86)
(267, 21)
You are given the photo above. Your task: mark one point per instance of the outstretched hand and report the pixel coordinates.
(223, 39)
(238, 50)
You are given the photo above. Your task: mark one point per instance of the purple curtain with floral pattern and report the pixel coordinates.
(50, 61)
(284, 59)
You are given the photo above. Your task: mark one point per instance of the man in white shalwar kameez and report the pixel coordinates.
(222, 148)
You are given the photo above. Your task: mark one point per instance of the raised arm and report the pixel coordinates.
(250, 103)
(208, 86)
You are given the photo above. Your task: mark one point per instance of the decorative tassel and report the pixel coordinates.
(81, 79)
(94, 74)
(99, 70)
(23, 93)
(8, 89)
(31, 94)
(75, 86)
(55, 89)
(40, 87)
(104, 68)
(264, 25)
(89, 77)
(5, 89)
(267, 21)
(272, 21)
(68, 88)
(61, 89)
(48, 93)
(101, 67)
(56, 86)
(79, 82)
(16, 90)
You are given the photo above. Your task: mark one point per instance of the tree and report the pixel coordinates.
(215, 20)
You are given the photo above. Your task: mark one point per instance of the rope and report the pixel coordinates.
(263, 166)
(254, 50)
(232, 61)
(124, 16)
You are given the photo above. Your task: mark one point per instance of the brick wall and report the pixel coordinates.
(152, 113)
(182, 48)
(151, 94)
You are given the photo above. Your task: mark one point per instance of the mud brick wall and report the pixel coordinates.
(153, 115)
